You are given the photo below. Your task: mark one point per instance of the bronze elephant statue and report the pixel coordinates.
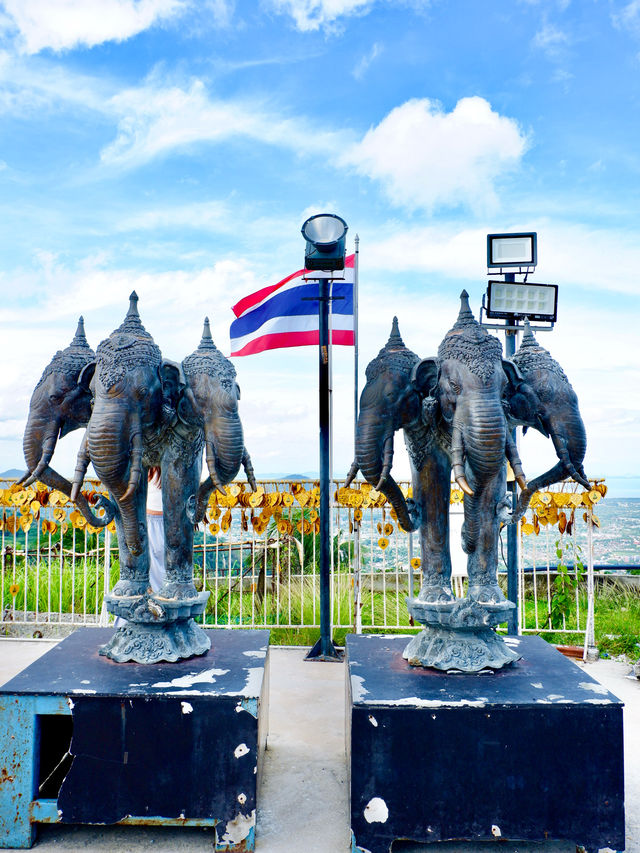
(456, 410)
(143, 411)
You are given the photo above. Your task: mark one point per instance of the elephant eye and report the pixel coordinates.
(455, 387)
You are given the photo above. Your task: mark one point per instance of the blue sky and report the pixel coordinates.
(176, 147)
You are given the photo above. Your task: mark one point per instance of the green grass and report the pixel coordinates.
(617, 607)
(50, 589)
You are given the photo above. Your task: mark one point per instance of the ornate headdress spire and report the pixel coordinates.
(132, 325)
(467, 341)
(532, 356)
(208, 359)
(465, 315)
(206, 342)
(127, 347)
(79, 341)
(395, 340)
(394, 353)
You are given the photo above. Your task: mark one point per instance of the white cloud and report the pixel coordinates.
(207, 216)
(221, 11)
(362, 66)
(550, 40)
(65, 24)
(425, 157)
(628, 18)
(309, 15)
(154, 119)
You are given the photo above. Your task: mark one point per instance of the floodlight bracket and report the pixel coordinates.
(332, 275)
(510, 327)
(525, 270)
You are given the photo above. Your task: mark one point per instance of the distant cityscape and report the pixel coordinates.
(615, 543)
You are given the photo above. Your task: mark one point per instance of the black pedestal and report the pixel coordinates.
(170, 743)
(528, 753)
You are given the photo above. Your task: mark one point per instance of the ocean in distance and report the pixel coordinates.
(617, 541)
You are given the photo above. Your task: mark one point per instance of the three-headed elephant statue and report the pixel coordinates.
(143, 411)
(456, 410)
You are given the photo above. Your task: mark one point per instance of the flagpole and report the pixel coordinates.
(324, 648)
(356, 262)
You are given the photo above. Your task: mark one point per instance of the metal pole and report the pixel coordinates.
(356, 263)
(324, 648)
(512, 529)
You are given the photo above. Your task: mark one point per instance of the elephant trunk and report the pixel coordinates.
(109, 442)
(478, 447)
(484, 433)
(224, 451)
(374, 455)
(570, 442)
(224, 444)
(39, 443)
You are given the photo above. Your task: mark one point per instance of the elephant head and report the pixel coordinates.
(210, 401)
(127, 391)
(389, 401)
(539, 395)
(61, 403)
(465, 384)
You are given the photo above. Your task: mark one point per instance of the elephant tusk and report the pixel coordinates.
(457, 459)
(353, 471)
(136, 460)
(248, 469)
(211, 465)
(81, 468)
(514, 461)
(386, 462)
(461, 480)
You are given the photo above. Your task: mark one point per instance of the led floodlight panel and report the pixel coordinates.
(512, 250)
(515, 301)
(325, 235)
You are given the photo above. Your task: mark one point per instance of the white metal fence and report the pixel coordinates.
(257, 554)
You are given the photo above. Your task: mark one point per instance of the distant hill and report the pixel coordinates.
(12, 474)
(271, 476)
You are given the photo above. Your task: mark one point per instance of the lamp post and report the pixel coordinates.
(325, 251)
(510, 301)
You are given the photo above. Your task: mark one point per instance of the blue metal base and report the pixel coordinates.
(531, 752)
(166, 744)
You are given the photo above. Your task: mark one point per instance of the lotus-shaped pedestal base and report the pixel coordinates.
(459, 635)
(158, 629)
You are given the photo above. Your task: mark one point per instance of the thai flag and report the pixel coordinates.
(286, 314)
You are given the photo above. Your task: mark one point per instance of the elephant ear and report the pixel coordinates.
(172, 380)
(520, 401)
(86, 375)
(424, 376)
(514, 377)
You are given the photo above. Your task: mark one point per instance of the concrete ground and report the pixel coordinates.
(303, 806)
